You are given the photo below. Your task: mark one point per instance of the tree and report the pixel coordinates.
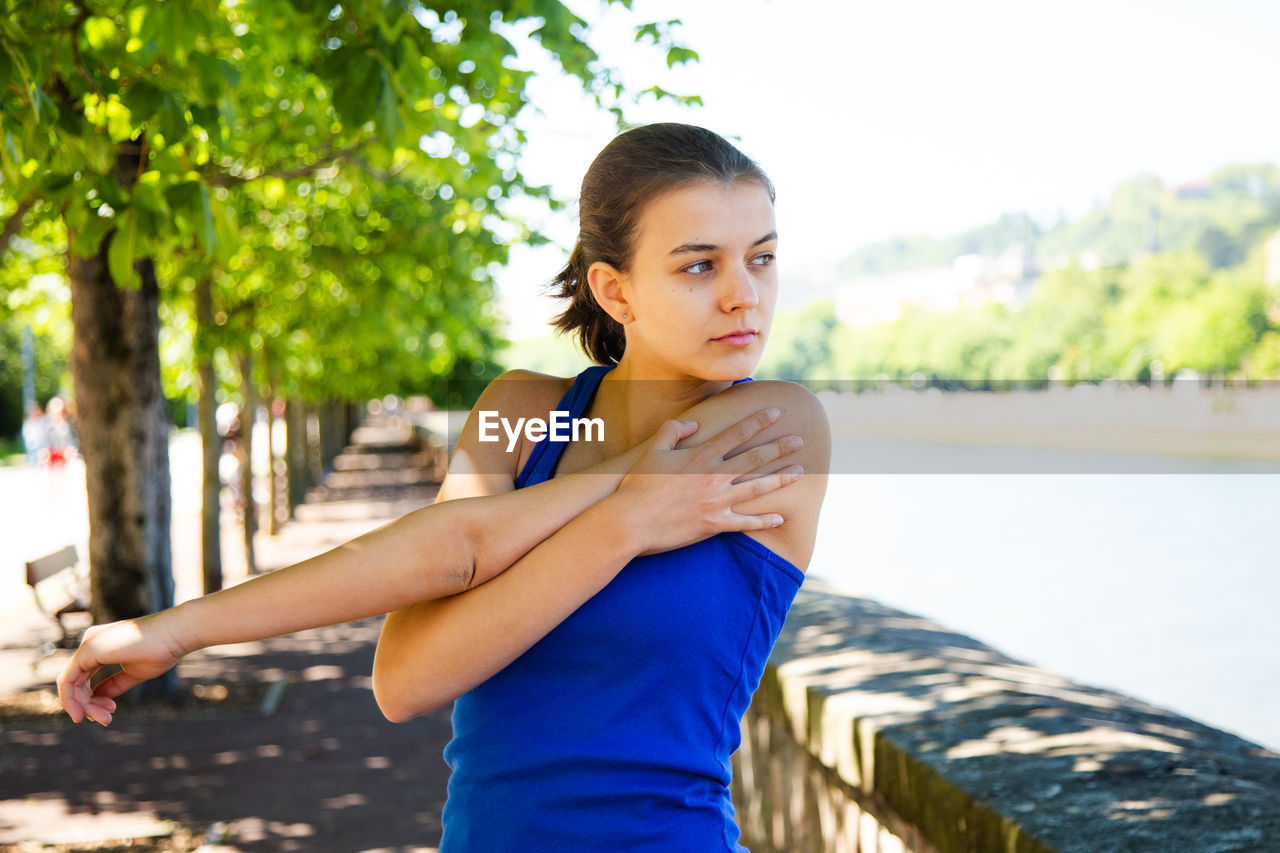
(153, 135)
(801, 346)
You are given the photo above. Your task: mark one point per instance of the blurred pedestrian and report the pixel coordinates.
(35, 435)
(60, 435)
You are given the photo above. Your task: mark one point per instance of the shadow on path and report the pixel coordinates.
(325, 772)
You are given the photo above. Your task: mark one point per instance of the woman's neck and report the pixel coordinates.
(634, 401)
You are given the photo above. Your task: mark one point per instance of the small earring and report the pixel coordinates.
(625, 315)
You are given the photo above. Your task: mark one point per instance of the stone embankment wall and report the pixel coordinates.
(875, 731)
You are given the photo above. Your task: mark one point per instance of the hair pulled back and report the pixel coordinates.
(632, 170)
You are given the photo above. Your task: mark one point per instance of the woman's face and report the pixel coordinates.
(702, 284)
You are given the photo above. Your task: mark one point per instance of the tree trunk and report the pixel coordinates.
(274, 470)
(248, 418)
(210, 443)
(332, 433)
(298, 464)
(124, 436)
(353, 421)
(315, 461)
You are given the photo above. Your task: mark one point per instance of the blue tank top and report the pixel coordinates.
(614, 731)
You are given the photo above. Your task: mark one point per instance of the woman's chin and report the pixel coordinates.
(733, 370)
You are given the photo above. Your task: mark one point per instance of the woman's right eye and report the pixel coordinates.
(699, 267)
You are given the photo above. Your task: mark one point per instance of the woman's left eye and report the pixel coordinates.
(763, 260)
(699, 267)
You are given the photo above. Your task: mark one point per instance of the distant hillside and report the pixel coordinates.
(1222, 217)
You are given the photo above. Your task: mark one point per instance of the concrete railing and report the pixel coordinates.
(875, 730)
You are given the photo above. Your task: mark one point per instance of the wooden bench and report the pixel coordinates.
(60, 574)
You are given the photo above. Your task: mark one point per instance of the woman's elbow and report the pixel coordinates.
(393, 713)
(397, 700)
(400, 695)
(398, 712)
(390, 702)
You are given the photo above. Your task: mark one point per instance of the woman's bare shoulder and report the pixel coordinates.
(802, 413)
(481, 465)
(796, 401)
(803, 416)
(524, 393)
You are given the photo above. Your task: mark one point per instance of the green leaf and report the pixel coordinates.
(359, 76)
(87, 238)
(12, 159)
(183, 196)
(46, 109)
(56, 182)
(387, 121)
(647, 31)
(216, 74)
(100, 32)
(124, 243)
(680, 56)
(227, 237)
(206, 116)
(208, 223)
(172, 119)
(18, 59)
(149, 195)
(71, 122)
(120, 121)
(6, 69)
(144, 29)
(227, 114)
(110, 191)
(174, 28)
(191, 201)
(143, 99)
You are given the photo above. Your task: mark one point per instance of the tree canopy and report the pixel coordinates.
(337, 175)
(339, 171)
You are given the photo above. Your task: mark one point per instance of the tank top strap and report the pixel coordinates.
(542, 462)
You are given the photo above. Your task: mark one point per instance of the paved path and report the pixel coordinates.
(325, 772)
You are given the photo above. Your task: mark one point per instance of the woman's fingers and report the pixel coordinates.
(733, 437)
(754, 488)
(99, 710)
(671, 432)
(749, 490)
(73, 683)
(743, 523)
(111, 687)
(759, 457)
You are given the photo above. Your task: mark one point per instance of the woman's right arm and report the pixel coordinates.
(437, 551)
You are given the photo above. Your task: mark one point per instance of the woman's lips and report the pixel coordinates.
(736, 339)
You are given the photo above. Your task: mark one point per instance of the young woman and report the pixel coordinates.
(597, 701)
(600, 675)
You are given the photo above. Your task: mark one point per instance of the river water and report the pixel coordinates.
(1162, 584)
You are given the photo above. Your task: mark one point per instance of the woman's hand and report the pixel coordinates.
(144, 648)
(681, 496)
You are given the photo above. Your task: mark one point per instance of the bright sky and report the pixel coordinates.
(883, 118)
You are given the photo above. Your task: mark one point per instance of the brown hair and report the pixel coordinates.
(632, 170)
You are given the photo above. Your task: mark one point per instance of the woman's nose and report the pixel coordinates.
(740, 290)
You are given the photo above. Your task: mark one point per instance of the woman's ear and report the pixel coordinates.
(606, 285)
